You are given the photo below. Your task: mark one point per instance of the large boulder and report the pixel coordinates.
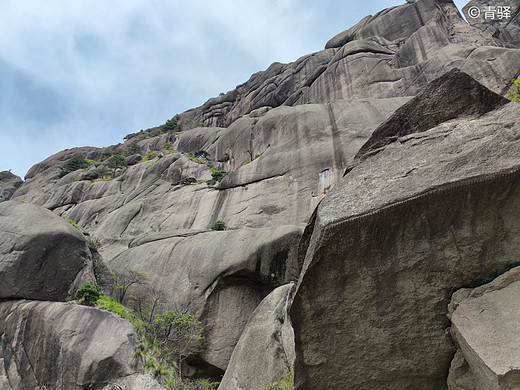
(453, 95)
(64, 347)
(267, 342)
(485, 329)
(427, 215)
(42, 256)
(9, 183)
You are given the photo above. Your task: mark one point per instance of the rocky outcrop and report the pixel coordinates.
(453, 95)
(9, 182)
(265, 351)
(378, 57)
(220, 277)
(500, 20)
(429, 214)
(485, 329)
(64, 347)
(42, 256)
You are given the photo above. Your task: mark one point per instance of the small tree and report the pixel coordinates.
(90, 294)
(172, 125)
(76, 162)
(122, 284)
(145, 301)
(179, 336)
(116, 161)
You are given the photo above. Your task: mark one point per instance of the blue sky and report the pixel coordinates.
(78, 73)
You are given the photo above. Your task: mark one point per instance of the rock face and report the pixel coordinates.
(502, 20)
(42, 256)
(245, 265)
(485, 329)
(453, 95)
(8, 185)
(64, 347)
(428, 205)
(429, 214)
(291, 172)
(265, 351)
(401, 58)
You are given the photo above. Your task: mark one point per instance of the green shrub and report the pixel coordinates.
(514, 92)
(200, 152)
(109, 304)
(185, 181)
(217, 176)
(172, 125)
(89, 293)
(219, 225)
(94, 244)
(116, 161)
(149, 156)
(132, 148)
(76, 162)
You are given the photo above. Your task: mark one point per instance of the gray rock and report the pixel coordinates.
(265, 351)
(451, 96)
(4, 381)
(393, 240)
(485, 329)
(9, 183)
(42, 256)
(493, 20)
(134, 382)
(64, 347)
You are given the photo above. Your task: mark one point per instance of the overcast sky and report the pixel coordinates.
(78, 72)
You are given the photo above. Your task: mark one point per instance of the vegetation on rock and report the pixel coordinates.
(514, 92)
(89, 293)
(166, 339)
(219, 225)
(286, 383)
(73, 164)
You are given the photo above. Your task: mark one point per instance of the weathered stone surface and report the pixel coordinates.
(64, 347)
(220, 277)
(4, 381)
(495, 19)
(292, 171)
(134, 382)
(42, 256)
(265, 351)
(378, 57)
(453, 95)
(393, 240)
(9, 182)
(485, 329)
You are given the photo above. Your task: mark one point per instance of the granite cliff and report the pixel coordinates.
(364, 186)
